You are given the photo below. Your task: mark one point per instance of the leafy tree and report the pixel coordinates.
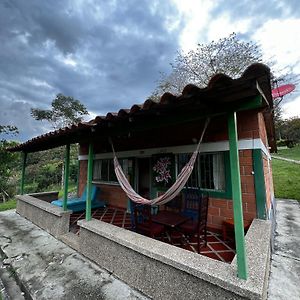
(8, 129)
(8, 164)
(65, 111)
(227, 55)
(290, 129)
(47, 169)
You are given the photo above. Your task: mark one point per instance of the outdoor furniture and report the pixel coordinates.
(195, 207)
(228, 229)
(79, 204)
(144, 223)
(169, 218)
(175, 204)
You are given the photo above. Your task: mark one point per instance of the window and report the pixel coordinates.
(104, 170)
(208, 173)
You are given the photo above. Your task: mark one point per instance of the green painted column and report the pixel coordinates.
(24, 158)
(88, 211)
(66, 179)
(237, 197)
(259, 182)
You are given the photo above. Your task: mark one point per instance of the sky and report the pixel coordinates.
(109, 54)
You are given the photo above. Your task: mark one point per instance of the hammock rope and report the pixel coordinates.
(172, 192)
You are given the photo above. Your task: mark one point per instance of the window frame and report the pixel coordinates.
(225, 194)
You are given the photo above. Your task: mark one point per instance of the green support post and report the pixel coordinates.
(259, 183)
(24, 157)
(88, 212)
(66, 179)
(237, 197)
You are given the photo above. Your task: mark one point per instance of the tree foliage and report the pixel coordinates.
(9, 163)
(227, 55)
(44, 169)
(65, 111)
(8, 129)
(289, 129)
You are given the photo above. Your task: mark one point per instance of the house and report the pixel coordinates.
(233, 166)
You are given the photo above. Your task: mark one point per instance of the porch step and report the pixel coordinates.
(71, 239)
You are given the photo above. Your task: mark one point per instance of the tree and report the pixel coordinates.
(227, 55)
(65, 111)
(8, 129)
(8, 164)
(290, 129)
(50, 171)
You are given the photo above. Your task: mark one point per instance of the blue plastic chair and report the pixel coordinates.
(79, 204)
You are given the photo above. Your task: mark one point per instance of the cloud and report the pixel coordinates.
(107, 54)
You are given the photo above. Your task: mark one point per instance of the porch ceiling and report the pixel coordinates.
(222, 94)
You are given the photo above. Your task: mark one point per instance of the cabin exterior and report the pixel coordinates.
(211, 172)
(233, 168)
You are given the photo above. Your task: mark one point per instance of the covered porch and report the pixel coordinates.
(172, 126)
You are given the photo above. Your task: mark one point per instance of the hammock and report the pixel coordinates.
(172, 192)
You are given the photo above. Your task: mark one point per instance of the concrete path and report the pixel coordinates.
(286, 159)
(49, 269)
(285, 265)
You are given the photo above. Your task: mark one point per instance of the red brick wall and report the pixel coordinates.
(221, 209)
(247, 125)
(82, 176)
(262, 129)
(112, 194)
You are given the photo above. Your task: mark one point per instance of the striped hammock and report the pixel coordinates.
(172, 192)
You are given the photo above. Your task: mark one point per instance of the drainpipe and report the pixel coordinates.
(66, 175)
(24, 158)
(88, 211)
(242, 267)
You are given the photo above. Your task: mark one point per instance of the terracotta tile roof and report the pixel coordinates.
(221, 89)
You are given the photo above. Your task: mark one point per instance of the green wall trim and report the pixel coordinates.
(88, 211)
(259, 183)
(24, 158)
(242, 266)
(66, 178)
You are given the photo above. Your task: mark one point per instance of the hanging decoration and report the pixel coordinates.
(163, 170)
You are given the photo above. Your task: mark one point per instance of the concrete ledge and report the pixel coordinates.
(46, 196)
(162, 271)
(49, 217)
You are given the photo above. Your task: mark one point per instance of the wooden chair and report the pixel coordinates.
(195, 207)
(175, 204)
(143, 221)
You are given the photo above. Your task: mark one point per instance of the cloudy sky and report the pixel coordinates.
(108, 54)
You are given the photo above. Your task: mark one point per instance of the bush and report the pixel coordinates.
(287, 143)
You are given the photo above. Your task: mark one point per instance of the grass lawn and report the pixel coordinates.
(293, 153)
(8, 205)
(286, 178)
